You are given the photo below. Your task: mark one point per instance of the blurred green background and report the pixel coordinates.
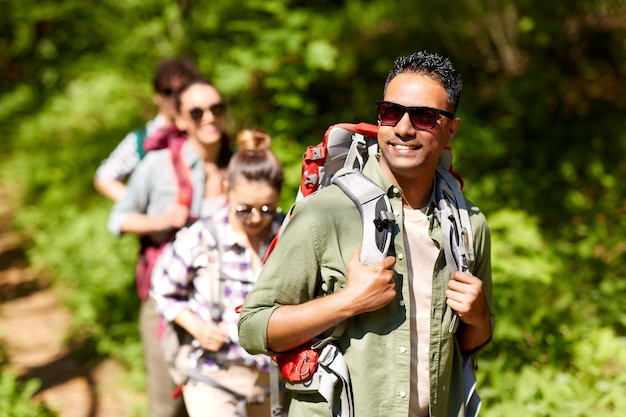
(541, 149)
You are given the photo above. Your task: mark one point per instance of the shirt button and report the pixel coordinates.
(400, 256)
(402, 303)
(402, 349)
(396, 213)
(403, 394)
(395, 190)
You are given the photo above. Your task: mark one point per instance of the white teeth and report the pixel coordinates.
(404, 147)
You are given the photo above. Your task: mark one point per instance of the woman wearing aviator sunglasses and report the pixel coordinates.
(204, 275)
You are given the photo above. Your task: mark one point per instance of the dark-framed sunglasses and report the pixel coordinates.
(243, 211)
(423, 118)
(217, 109)
(167, 92)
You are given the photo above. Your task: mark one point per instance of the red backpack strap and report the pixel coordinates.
(185, 188)
(150, 250)
(160, 138)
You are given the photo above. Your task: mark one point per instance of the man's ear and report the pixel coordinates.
(452, 128)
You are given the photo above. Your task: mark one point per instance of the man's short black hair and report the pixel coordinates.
(173, 68)
(432, 65)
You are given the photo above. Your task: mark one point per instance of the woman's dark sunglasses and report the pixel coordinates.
(217, 109)
(424, 118)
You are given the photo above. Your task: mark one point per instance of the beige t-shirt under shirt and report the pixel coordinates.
(422, 253)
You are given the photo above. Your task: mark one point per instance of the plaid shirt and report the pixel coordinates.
(183, 278)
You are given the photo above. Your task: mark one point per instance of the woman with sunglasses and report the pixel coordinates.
(169, 187)
(203, 276)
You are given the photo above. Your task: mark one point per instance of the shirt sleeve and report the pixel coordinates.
(122, 161)
(135, 198)
(171, 278)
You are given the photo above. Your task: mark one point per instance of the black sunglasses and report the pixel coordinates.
(243, 211)
(167, 92)
(424, 118)
(217, 110)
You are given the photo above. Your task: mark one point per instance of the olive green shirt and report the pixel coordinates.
(311, 260)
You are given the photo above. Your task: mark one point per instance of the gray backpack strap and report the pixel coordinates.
(457, 238)
(472, 399)
(452, 206)
(276, 408)
(456, 230)
(376, 213)
(211, 242)
(377, 219)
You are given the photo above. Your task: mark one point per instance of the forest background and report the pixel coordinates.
(541, 149)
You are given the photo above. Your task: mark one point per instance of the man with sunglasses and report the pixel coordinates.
(168, 188)
(402, 357)
(169, 76)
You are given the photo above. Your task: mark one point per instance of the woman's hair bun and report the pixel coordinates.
(253, 140)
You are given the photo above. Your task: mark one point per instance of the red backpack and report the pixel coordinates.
(149, 249)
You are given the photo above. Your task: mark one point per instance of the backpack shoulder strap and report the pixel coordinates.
(377, 220)
(211, 244)
(455, 222)
(185, 188)
(457, 237)
(376, 214)
(140, 135)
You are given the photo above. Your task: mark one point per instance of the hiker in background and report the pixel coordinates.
(402, 358)
(203, 276)
(170, 187)
(169, 76)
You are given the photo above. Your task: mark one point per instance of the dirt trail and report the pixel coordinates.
(33, 326)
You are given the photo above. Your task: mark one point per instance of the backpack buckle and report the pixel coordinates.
(314, 153)
(384, 219)
(312, 179)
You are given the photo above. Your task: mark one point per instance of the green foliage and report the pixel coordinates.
(16, 397)
(98, 281)
(519, 252)
(592, 385)
(540, 148)
(527, 328)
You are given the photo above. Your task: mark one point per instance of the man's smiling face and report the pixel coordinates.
(408, 152)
